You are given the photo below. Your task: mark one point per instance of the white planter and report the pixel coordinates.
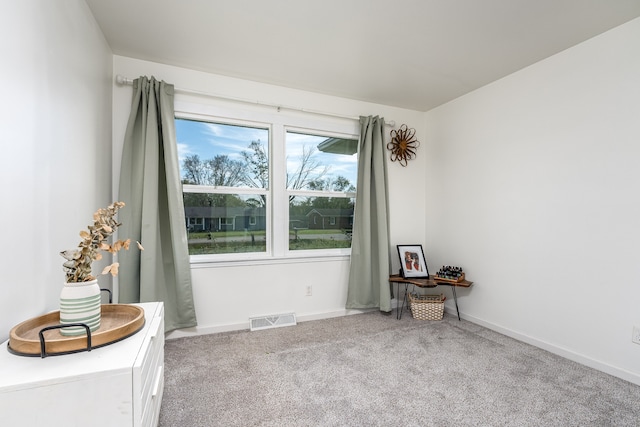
(80, 303)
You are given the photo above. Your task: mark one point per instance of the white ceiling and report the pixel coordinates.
(415, 54)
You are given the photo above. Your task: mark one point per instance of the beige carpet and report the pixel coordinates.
(373, 370)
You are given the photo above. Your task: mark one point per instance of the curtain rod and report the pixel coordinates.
(121, 80)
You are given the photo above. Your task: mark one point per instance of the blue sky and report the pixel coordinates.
(211, 139)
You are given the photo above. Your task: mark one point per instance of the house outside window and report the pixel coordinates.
(195, 224)
(268, 188)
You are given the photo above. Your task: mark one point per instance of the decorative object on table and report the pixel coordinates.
(449, 273)
(412, 262)
(426, 307)
(80, 296)
(403, 144)
(41, 336)
(80, 303)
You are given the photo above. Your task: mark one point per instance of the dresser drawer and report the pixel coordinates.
(152, 407)
(151, 356)
(153, 378)
(148, 374)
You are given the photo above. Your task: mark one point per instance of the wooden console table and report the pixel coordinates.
(430, 282)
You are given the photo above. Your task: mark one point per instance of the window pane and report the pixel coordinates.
(320, 222)
(222, 155)
(320, 163)
(225, 223)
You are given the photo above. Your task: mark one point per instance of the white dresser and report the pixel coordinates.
(119, 385)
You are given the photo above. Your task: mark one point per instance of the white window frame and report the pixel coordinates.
(278, 122)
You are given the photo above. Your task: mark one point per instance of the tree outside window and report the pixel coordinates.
(225, 171)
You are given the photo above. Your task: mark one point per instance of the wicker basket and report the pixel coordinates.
(427, 307)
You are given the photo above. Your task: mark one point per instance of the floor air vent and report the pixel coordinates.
(274, 321)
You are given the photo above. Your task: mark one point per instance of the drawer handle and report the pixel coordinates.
(155, 327)
(156, 384)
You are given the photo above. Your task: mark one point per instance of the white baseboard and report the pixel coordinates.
(560, 351)
(205, 330)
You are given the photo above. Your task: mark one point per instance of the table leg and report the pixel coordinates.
(398, 308)
(455, 299)
(404, 300)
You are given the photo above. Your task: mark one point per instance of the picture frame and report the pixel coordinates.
(412, 261)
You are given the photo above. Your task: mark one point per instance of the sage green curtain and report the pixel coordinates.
(369, 269)
(154, 211)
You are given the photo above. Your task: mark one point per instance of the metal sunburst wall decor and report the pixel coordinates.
(403, 144)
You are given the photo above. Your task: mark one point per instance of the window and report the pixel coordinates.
(266, 188)
(321, 178)
(225, 184)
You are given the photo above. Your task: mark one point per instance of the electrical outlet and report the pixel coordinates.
(309, 291)
(636, 335)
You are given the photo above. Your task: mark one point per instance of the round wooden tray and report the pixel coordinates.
(117, 322)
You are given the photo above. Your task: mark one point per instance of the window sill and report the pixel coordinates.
(291, 259)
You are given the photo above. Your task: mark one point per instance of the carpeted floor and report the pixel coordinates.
(373, 370)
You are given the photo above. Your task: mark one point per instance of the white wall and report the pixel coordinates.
(537, 188)
(226, 296)
(55, 170)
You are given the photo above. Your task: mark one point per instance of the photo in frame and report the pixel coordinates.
(412, 261)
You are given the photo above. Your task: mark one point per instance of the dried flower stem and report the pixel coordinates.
(77, 268)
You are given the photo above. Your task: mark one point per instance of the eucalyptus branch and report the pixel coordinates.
(77, 268)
